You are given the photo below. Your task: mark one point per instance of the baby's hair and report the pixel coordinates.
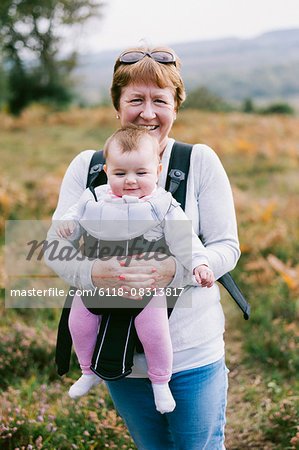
(129, 139)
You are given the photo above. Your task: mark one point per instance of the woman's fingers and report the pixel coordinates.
(139, 273)
(136, 289)
(136, 293)
(138, 267)
(163, 267)
(140, 278)
(152, 259)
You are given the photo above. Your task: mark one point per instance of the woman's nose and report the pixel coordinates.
(148, 111)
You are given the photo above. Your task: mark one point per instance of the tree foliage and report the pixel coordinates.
(203, 98)
(278, 108)
(30, 37)
(248, 105)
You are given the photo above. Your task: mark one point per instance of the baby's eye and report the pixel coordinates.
(120, 174)
(141, 172)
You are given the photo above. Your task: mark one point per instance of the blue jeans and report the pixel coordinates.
(198, 421)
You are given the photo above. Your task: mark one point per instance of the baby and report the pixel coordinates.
(132, 168)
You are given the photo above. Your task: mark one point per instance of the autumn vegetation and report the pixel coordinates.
(260, 154)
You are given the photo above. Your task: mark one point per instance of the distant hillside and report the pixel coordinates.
(265, 68)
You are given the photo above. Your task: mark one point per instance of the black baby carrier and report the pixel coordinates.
(117, 337)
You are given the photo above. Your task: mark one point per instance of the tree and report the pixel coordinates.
(248, 105)
(203, 98)
(30, 37)
(278, 108)
(3, 86)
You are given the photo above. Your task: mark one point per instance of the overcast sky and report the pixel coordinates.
(126, 22)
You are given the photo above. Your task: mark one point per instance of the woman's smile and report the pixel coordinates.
(149, 107)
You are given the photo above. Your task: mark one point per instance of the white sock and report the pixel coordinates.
(82, 386)
(163, 398)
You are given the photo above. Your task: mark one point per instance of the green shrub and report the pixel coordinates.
(271, 331)
(25, 351)
(248, 106)
(202, 98)
(281, 426)
(278, 108)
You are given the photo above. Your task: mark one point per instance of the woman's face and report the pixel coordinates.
(148, 106)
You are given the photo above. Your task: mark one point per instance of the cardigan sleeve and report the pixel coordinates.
(74, 183)
(77, 270)
(217, 218)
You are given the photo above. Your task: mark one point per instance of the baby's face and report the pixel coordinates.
(133, 173)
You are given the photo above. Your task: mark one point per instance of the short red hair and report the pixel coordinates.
(148, 71)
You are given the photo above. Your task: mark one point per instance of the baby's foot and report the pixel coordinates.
(83, 385)
(163, 398)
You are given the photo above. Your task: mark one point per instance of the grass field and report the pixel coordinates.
(261, 156)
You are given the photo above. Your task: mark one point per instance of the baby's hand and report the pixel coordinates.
(204, 276)
(65, 229)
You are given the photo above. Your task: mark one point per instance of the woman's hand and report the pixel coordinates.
(150, 270)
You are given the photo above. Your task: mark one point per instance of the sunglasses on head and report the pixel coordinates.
(162, 57)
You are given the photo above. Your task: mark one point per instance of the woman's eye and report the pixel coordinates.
(136, 100)
(159, 100)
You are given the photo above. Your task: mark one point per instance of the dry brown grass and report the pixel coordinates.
(261, 157)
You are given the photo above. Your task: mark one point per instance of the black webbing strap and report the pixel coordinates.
(64, 339)
(228, 282)
(178, 169)
(96, 175)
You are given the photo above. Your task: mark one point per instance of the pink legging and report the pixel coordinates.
(152, 328)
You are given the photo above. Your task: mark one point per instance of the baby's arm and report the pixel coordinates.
(68, 225)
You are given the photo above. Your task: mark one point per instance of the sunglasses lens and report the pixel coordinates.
(135, 56)
(131, 57)
(163, 57)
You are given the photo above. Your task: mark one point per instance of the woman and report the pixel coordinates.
(147, 91)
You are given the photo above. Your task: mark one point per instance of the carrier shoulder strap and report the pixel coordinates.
(96, 174)
(178, 169)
